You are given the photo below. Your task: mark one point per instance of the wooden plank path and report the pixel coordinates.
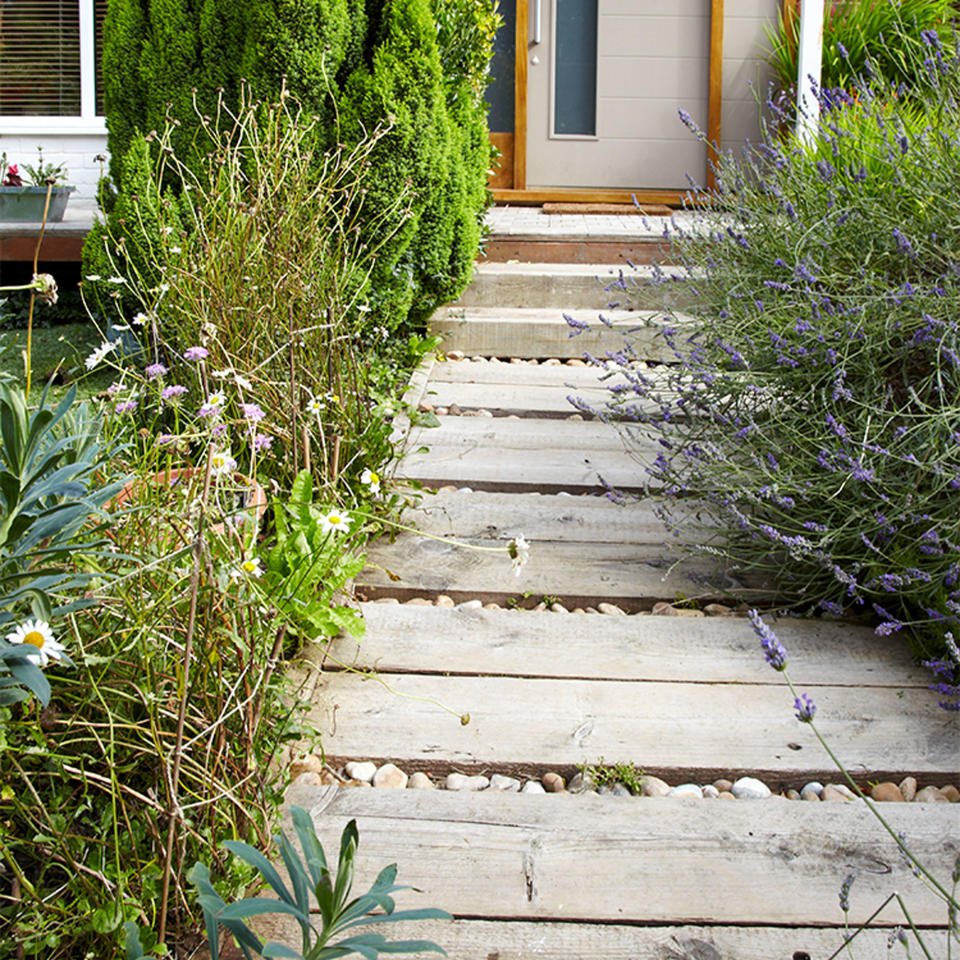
(685, 697)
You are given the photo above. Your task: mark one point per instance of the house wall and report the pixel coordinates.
(744, 71)
(75, 150)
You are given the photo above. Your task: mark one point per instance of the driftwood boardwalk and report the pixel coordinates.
(685, 698)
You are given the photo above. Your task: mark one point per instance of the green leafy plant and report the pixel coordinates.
(331, 889)
(306, 567)
(607, 774)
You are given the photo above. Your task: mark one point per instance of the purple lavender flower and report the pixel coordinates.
(576, 326)
(805, 708)
(126, 406)
(155, 370)
(174, 390)
(262, 442)
(196, 353)
(252, 412)
(165, 439)
(772, 648)
(845, 892)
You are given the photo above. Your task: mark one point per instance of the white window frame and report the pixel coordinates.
(88, 122)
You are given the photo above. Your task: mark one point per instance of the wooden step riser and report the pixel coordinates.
(626, 251)
(541, 288)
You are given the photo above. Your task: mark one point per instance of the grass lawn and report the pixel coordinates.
(58, 353)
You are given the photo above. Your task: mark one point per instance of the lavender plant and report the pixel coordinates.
(810, 413)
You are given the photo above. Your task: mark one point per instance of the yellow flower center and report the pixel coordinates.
(34, 637)
(334, 519)
(374, 478)
(249, 566)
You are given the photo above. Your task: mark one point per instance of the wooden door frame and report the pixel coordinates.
(520, 194)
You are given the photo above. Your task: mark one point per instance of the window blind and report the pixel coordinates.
(40, 57)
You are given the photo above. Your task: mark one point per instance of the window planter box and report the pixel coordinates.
(25, 204)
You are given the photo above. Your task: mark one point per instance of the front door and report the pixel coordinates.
(605, 80)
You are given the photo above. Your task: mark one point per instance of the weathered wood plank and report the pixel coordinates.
(546, 940)
(621, 860)
(516, 374)
(524, 643)
(544, 333)
(635, 575)
(502, 454)
(523, 401)
(502, 516)
(707, 730)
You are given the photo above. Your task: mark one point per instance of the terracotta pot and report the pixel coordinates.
(247, 498)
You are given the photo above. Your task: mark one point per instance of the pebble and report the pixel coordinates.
(454, 410)
(618, 790)
(710, 792)
(575, 416)
(611, 610)
(845, 790)
(908, 787)
(470, 605)
(540, 606)
(419, 602)
(492, 606)
(307, 764)
(507, 784)
(687, 612)
(558, 608)
(749, 788)
(454, 354)
(576, 362)
(387, 601)
(444, 601)
(483, 413)
(478, 359)
(361, 770)
(553, 783)
(356, 783)
(515, 360)
(951, 793)
(687, 790)
(460, 781)
(420, 781)
(578, 610)
(581, 784)
(441, 411)
(717, 610)
(390, 775)
(449, 488)
(793, 795)
(591, 610)
(532, 786)
(552, 362)
(811, 795)
(653, 786)
(663, 609)
(832, 795)
(886, 792)
(726, 795)
(308, 779)
(814, 785)
(930, 795)
(723, 784)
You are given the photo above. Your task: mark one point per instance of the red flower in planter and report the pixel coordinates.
(13, 178)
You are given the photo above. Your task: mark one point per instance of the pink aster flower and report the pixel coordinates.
(126, 406)
(174, 390)
(155, 370)
(196, 353)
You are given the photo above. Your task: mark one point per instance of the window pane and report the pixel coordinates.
(99, 14)
(40, 58)
(500, 91)
(575, 67)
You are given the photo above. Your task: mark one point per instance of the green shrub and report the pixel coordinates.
(857, 32)
(812, 411)
(356, 66)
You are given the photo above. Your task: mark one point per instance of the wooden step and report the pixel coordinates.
(574, 248)
(498, 453)
(533, 332)
(597, 860)
(527, 725)
(525, 643)
(542, 391)
(569, 286)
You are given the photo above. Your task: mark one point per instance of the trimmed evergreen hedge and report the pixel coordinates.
(419, 64)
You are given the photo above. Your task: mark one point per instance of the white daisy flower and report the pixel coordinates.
(248, 567)
(316, 406)
(37, 633)
(140, 319)
(221, 462)
(94, 277)
(175, 249)
(519, 551)
(334, 522)
(116, 280)
(218, 399)
(371, 480)
(166, 230)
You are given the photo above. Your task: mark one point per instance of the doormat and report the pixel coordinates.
(617, 209)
